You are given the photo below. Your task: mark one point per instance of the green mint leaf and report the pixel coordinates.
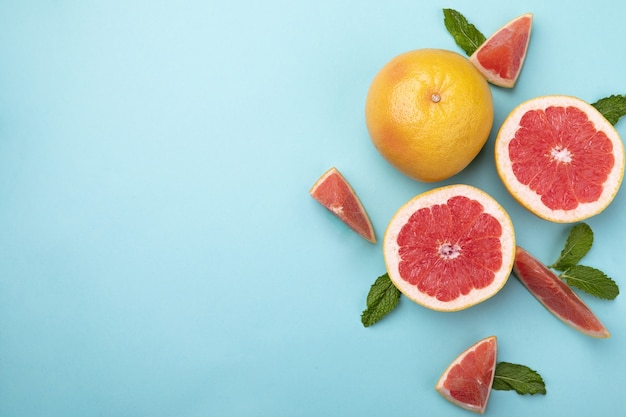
(592, 281)
(382, 298)
(522, 379)
(578, 244)
(466, 36)
(612, 107)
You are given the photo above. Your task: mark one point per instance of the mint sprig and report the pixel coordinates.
(465, 34)
(520, 378)
(576, 247)
(585, 278)
(612, 107)
(592, 281)
(382, 298)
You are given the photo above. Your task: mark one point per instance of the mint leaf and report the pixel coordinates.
(522, 379)
(466, 36)
(578, 244)
(592, 281)
(612, 107)
(382, 298)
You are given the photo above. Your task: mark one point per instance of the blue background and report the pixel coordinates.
(160, 254)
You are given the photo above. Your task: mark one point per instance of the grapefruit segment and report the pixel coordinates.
(555, 295)
(501, 57)
(560, 158)
(468, 380)
(450, 248)
(332, 191)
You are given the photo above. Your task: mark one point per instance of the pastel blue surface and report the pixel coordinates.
(160, 254)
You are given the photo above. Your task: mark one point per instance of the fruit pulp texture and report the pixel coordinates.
(470, 381)
(559, 154)
(506, 49)
(449, 249)
(337, 196)
(555, 295)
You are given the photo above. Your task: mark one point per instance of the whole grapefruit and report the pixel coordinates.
(429, 112)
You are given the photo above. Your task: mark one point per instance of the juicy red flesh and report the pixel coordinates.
(503, 55)
(560, 155)
(447, 250)
(555, 295)
(470, 380)
(336, 195)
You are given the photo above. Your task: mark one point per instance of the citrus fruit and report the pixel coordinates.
(468, 380)
(555, 295)
(501, 56)
(332, 191)
(429, 112)
(450, 248)
(560, 158)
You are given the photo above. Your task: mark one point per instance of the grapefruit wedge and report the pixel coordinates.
(468, 380)
(332, 191)
(556, 296)
(560, 158)
(450, 248)
(501, 57)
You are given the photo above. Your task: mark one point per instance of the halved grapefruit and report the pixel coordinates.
(501, 57)
(555, 295)
(332, 191)
(560, 158)
(450, 248)
(468, 380)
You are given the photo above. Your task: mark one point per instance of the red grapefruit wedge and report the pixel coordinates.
(560, 158)
(468, 380)
(555, 295)
(332, 191)
(450, 248)
(501, 57)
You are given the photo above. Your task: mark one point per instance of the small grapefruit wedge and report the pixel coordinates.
(555, 295)
(560, 158)
(332, 191)
(450, 248)
(468, 380)
(501, 57)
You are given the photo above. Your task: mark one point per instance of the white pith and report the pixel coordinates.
(529, 198)
(562, 155)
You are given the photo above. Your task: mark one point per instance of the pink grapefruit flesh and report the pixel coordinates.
(450, 248)
(468, 380)
(501, 57)
(555, 295)
(560, 158)
(332, 191)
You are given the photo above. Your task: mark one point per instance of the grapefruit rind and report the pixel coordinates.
(357, 218)
(494, 40)
(529, 198)
(440, 196)
(485, 385)
(527, 267)
(429, 112)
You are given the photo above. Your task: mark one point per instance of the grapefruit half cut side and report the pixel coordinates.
(450, 248)
(468, 380)
(332, 191)
(560, 158)
(555, 295)
(501, 57)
